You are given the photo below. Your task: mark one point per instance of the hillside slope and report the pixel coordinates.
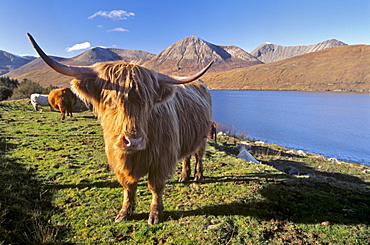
(345, 68)
(269, 52)
(37, 70)
(10, 61)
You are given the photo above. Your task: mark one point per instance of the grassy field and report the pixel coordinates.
(56, 188)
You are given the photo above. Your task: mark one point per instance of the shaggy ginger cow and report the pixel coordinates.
(62, 99)
(150, 120)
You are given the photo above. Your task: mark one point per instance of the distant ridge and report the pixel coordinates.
(344, 68)
(269, 52)
(192, 53)
(9, 62)
(37, 70)
(99, 54)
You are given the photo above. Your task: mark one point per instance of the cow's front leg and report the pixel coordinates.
(186, 170)
(128, 205)
(156, 186)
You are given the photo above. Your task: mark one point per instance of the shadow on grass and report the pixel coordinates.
(320, 196)
(116, 184)
(231, 149)
(300, 202)
(96, 184)
(277, 197)
(25, 204)
(304, 201)
(309, 200)
(305, 169)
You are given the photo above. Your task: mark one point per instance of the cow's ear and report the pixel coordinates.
(166, 92)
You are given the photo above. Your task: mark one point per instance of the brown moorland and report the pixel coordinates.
(345, 68)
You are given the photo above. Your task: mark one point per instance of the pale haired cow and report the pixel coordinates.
(149, 122)
(39, 100)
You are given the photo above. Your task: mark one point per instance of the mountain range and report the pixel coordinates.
(10, 61)
(269, 52)
(233, 68)
(344, 68)
(37, 70)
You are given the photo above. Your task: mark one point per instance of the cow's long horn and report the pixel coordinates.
(181, 80)
(73, 71)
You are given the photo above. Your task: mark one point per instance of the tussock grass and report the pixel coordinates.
(56, 188)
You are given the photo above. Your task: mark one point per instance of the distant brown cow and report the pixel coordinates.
(62, 99)
(150, 120)
(213, 134)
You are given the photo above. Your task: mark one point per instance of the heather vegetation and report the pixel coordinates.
(56, 188)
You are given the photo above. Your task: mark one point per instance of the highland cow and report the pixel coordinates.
(39, 100)
(150, 121)
(63, 100)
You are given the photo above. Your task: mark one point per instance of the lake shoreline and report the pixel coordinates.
(326, 123)
(304, 152)
(297, 90)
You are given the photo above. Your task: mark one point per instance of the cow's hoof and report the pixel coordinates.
(155, 215)
(198, 178)
(119, 218)
(153, 219)
(122, 215)
(183, 179)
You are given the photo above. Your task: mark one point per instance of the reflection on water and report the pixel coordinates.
(332, 124)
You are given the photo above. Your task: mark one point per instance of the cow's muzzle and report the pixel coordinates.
(127, 143)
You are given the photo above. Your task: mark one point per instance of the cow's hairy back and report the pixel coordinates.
(192, 106)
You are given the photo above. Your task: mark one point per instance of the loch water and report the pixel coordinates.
(328, 123)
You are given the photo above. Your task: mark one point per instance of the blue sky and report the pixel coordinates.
(67, 28)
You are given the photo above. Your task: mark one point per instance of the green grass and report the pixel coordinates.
(56, 188)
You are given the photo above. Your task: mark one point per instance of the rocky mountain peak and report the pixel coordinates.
(94, 55)
(193, 53)
(193, 47)
(327, 44)
(269, 52)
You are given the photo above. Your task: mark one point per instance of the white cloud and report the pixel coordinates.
(79, 46)
(114, 14)
(118, 29)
